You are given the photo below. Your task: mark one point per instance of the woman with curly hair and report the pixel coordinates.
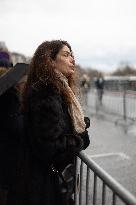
(55, 128)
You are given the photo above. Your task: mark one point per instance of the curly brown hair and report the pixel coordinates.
(42, 71)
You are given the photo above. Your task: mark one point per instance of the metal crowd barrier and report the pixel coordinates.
(118, 103)
(98, 187)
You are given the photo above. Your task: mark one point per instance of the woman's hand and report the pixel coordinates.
(87, 122)
(85, 137)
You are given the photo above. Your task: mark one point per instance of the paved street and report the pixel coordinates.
(112, 146)
(114, 150)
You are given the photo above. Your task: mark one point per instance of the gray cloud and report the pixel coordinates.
(100, 32)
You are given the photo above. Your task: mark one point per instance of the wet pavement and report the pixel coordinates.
(113, 148)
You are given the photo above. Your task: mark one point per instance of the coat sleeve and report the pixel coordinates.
(46, 131)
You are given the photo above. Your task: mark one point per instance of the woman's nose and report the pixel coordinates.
(72, 60)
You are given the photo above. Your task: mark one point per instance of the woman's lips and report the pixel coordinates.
(72, 67)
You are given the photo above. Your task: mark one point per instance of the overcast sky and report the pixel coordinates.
(102, 33)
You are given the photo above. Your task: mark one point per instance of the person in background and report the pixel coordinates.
(99, 83)
(85, 87)
(9, 109)
(55, 126)
(5, 57)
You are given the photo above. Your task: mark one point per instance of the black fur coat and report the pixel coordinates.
(49, 138)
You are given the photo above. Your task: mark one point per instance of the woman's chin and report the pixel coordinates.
(71, 73)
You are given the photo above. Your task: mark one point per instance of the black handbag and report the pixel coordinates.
(66, 180)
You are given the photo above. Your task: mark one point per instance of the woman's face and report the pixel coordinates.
(64, 62)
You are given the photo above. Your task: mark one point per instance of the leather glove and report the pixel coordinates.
(85, 138)
(87, 122)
